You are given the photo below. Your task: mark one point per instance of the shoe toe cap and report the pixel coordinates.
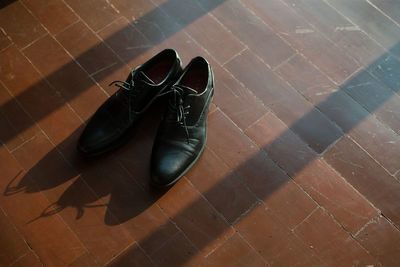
(168, 166)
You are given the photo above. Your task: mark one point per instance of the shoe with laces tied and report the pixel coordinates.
(182, 134)
(113, 122)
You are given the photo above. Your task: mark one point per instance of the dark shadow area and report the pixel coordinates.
(4, 3)
(272, 179)
(145, 24)
(96, 178)
(129, 191)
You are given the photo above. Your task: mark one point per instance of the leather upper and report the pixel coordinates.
(121, 112)
(181, 136)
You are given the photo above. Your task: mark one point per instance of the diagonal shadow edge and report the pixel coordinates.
(70, 95)
(291, 127)
(219, 185)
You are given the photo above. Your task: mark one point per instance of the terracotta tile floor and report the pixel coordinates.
(302, 163)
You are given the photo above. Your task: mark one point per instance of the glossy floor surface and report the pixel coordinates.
(302, 162)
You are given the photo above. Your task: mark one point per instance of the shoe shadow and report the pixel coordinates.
(118, 180)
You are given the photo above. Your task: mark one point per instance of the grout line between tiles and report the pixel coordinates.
(306, 218)
(383, 13)
(284, 62)
(68, 27)
(234, 56)
(251, 246)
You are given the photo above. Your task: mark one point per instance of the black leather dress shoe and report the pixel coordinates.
(182, 134)
(113, 122)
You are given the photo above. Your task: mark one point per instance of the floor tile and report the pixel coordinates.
(276, 244)
(132, 256)
(291, 107)
(357, 167)
(97, 14)
(20, 25)
(236, 252)
(371, 20)
(195, 217)
(382, 240)
(87, 48)
(66, 76)
(54, 15)
(221, 186)
(252, 31)
(178, 251)
(302, 36)
(314, 176)
(331, 243)
(12, 243)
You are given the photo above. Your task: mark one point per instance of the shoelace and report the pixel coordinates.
(177, 106)
(131, 93)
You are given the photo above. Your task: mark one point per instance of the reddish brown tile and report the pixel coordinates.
(331, 243)
(54, 15)
(332, 192)
(81, 207)
(202, 27)
(30, 259)
(49, 237)
(48, 111)
(273, 136)
(357, 167)
(347, 113)
(251, 31)
(212, 36)
(382, 240)
(12, 243)
(339, 30)
(277, 190)
(66, 76)
(132, 256)
(178, 251)
(306, 79)
(312, 174)
(137, 10)
(195, 216)
(87, 48)
(151, 228)
(364, 128)
(221, 186)
(227, 141)
(97, 14)
(276, 244)
(384, 103)
(243, 109)
(17, 126)
(302, 36)
(372, 21)
(236, 252)
(20, 25)
(156, 25)
(17, 74)
(126, 41)
(390, 8)
(86, 260)
(386, 69)
(290, 106)
(4, 40)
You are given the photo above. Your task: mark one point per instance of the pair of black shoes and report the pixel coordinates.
(181, 136)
